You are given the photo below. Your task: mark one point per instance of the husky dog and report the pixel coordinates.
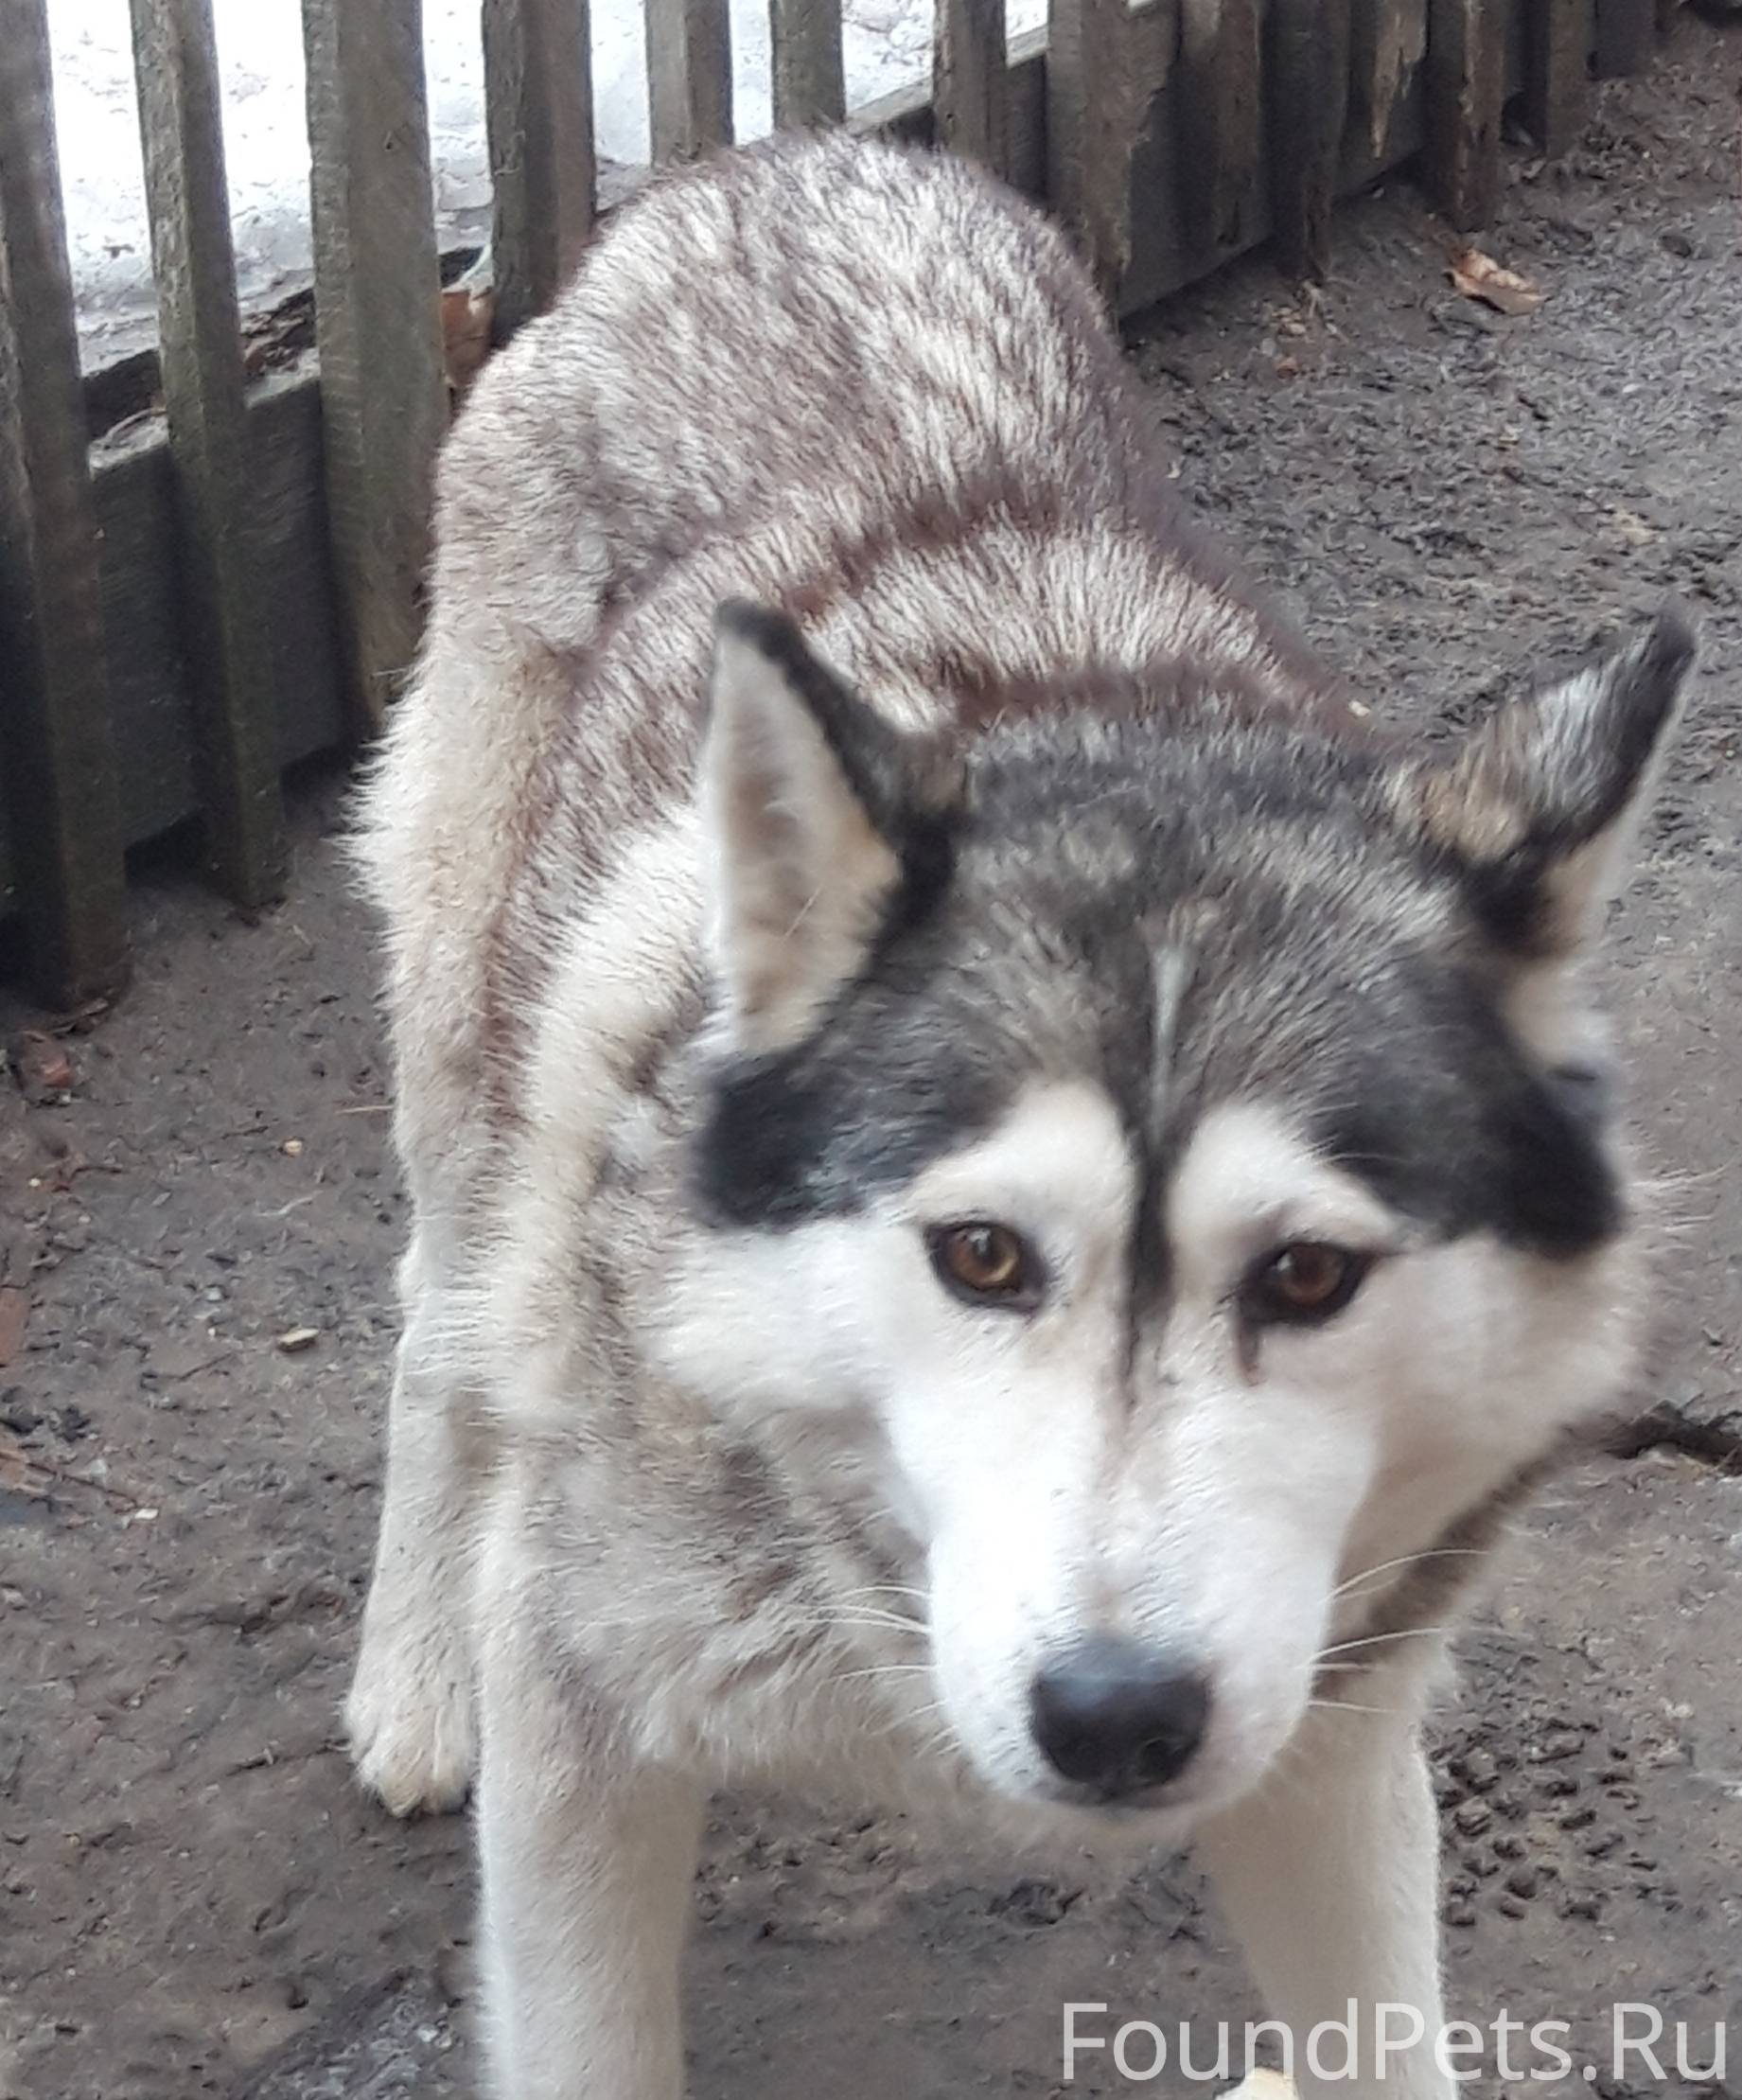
(1005, 1196)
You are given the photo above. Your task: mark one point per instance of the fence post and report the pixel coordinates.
(1309, 59)
(808, 78)
(1094, 110)
(378, 324)
(1466, 68)
(1625, 32)
(538, 63)
(1558, 36)
(1221, 119)
(1388, 42)
(237, 735)
(55, 747)
(689, 76)
(969, 96)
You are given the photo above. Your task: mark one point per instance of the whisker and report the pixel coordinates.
(872, 1615)
(913, 1714)
(1404, 1561)
(1343, 1706)
(1374, 1640)
(880, 1670)
(872, 1620)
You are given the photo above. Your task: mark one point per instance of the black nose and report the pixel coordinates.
(1118, 1717)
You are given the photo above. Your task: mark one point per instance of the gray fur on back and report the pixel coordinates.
(863, 386)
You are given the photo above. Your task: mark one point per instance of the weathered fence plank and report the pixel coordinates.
(151, 713)
(175, 62)
(1467, 54)
(1308, 58)
(1222, 130)
(1164, 133)
(1094, 110)
(970, 81)
(1388, 43)
(55, 749)
(907, 115)
(1558, 79)
(378, 324)
(810, 85)
(689, 76)
(1625, 30)
(537, 64)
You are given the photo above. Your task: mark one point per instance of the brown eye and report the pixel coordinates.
(986, 1264)
(1304, 1282)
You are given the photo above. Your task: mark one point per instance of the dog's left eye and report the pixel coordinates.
(983, 1264)
(1304, 1282)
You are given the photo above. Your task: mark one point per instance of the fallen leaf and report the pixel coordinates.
(294, 1339)
(15, 1312)
(1479, 276)
(41, 1065)
(468, 313)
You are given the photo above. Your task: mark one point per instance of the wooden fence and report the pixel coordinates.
(206, 594)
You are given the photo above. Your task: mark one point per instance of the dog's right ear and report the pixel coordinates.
(824, 825)
(1540, 806)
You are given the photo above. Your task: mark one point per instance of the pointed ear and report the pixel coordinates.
(824, 825)
(1542, 805)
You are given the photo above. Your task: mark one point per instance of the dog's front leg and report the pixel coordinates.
(1330, 1876)
(587, 1861)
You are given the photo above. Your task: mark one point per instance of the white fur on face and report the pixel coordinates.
(1207, 1489)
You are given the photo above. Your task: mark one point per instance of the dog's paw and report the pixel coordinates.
(412, 1732)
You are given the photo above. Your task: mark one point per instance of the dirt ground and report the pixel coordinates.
(194, 1899)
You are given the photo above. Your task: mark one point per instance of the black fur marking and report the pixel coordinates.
(1508, 898)
(1037, 963)
(1585, 1093)
(802, 1136)
(1479, 1137)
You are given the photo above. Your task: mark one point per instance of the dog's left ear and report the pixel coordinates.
(825, 825)
(1540, 808)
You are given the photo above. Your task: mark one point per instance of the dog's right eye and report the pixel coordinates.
(1307, 1281)
(983, 1264)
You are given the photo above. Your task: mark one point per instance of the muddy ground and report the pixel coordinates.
(195, 1901)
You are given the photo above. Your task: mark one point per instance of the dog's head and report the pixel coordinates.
(1171, 1145)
